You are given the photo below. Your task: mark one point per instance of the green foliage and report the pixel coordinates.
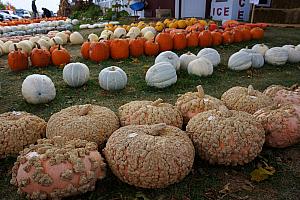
(87, 11)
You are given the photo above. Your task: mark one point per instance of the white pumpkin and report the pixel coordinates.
(149, 35)
(1, 42)
(135, 30)
(44, 43)
(93, 37)
(294, 55)
(260, 48)
(107, 33)
(84, 26)
(288, 46)
(277, 56)
(211, 54)
(92, 26)
(75, 22)
(63, 36)
(148, 28)
(76, 74)
(169, 56)
(257, 59)
(112, 78)
(185, 60)
(297, 47)
(120, 32)
(201, 67)
(6, 46)
(130, 35)
(34, 39)
(25, 46)
(12, 47)
(45, 38)
(1, 50)
(161, 75)
(55, 41)
(240, 61)
(76, 38)
(38, 89)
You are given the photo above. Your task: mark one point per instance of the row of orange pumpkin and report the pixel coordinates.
(170, 39)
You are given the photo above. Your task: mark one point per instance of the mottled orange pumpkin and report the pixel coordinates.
(246, 34)
(205, 39)
(151, 48)
(99, 51)
(40, 57)
(60, 56)
(17, 60)
(136, 47)
(179, 41)
(165, 41)
(257, 33)
(85, 49)
(217, 38)
(228, 37)
(238, 36)
(192, 39)
(119, 48)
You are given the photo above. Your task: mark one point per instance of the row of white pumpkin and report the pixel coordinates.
(97, 25)
(40, 89)
(43, 40)
(42, 24)
(260, 53)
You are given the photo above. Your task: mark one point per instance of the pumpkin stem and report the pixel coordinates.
(58, 47)
(84, 110)
(38, 45)
(251, 90)
(157, 129)
(157, 102)
(55, 43)
(200, 91)
(113, 68)
(15, 46)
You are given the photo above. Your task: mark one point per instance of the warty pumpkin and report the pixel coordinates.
(17, 60)
(60, 56)
(40, 57)
(98, 51)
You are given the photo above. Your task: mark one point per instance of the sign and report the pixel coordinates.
(255, 2)
(230, 9)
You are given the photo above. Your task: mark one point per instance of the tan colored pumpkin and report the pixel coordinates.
(192, 103)
(149, 112)
(88, 122)
(284, 95)
(281, 123)
(150, 156)
(57, 168)
(246, 99)
(18, 130)
(226, 137)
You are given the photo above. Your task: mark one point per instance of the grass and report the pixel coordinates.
(205, 181)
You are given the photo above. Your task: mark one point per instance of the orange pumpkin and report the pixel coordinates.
(98, 51)
(238, 36)
(165, 41)
(85, 49)
(192, 39)
(17, 60)
(60, 56)
(119, 48)
(40, 57)
(246, 34)
(257, 33)
(151, 48)
(179, 41)
(136, 47)
(228, 37)
(205, 39)
(217, 38)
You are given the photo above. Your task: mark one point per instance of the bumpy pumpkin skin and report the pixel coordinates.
(226, 137)
(57, 168)
(154, 156)
(88, 122)
(273, 89)
(18, 130)
(192, 103)
(284, 95)
(281, 123)
(149, 112)
(246, 99)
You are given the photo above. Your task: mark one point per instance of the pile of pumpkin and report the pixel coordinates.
(145, 145)
(121, 44)
(261, 53)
